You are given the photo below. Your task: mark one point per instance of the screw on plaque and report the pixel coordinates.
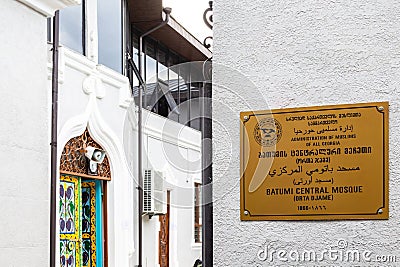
(380, 211)
(381, 108)
(246, 212)
(245, 118)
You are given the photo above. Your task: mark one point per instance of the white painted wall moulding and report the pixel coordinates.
(97, 75)
(48, 7)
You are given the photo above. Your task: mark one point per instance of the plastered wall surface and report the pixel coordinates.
(24, 137)
(293, 54)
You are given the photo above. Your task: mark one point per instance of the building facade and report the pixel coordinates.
(97, 197)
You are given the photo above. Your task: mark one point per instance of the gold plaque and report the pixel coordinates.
(315, 163)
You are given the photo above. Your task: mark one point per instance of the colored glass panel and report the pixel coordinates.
(88, 224)
(69, 252)
(63, 248)
(86, 252)
(99, 225)
(67, 208)
(85, 209)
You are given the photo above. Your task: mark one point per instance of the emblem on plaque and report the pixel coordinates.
(267, 132)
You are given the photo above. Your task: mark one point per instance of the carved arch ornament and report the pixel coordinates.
(73, 160)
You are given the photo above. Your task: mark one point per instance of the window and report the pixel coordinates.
(161, 65)
(72, 28)
(134, 52)
(151, 73)
(109, 23)
(197, 213)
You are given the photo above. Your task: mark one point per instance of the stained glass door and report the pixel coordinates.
(80, 222)
(69, 221)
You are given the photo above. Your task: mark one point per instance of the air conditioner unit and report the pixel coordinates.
(154, 193)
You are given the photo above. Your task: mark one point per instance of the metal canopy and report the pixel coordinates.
(145, 14)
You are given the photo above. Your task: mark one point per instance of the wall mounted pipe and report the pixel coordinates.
(53, 144)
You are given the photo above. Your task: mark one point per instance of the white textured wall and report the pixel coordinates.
(302, 53)
(173, 149)
(24, 137)
(89, 97)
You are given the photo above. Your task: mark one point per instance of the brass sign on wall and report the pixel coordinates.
(315, 163)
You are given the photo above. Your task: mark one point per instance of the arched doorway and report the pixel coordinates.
(83, 205)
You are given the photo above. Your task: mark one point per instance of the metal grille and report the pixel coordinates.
(73, 160)
(147, 186)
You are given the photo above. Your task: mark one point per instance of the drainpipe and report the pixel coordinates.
(167, 12)
(54, 115)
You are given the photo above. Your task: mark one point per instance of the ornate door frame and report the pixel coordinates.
(82, 206)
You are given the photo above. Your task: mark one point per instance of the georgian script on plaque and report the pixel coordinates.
(315, 163)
